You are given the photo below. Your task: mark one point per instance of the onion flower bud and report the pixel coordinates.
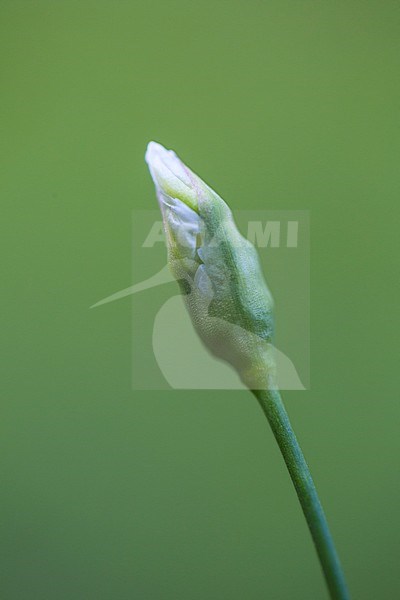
(217, 269)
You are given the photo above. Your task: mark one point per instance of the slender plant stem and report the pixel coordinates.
(272, 405)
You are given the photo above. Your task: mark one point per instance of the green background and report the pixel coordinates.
(111, 493)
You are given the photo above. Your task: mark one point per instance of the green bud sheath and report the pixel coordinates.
(217, 269)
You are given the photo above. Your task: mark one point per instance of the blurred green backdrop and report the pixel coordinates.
(110, 493)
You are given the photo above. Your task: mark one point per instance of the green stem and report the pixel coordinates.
(272, 405)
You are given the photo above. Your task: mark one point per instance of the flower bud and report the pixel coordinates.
(217, 269)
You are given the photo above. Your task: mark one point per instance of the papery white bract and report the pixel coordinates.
(170, 175)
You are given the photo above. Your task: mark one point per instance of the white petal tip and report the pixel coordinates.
(153, 150)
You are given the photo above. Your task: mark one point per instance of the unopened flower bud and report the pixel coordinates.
(217, 269)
